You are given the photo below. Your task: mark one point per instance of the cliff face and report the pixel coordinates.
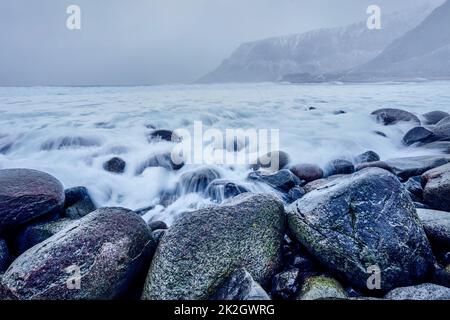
(315, 52)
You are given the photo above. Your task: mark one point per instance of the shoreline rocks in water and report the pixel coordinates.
(202, 248)
(363, 220)
(26, 195)
(110, 248)
(436, 188)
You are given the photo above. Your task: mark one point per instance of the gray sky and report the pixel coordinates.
(129, 42)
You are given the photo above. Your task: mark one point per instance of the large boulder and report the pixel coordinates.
(107, 251)
(436, 188)
(240, 286)
(392, 116)
(5, 257)
(282, 180)
(442, 131)
(363, 220)
(27, 194)
(273, 161)
(202, 248)
(436, 225)
(434, 117)
(415, 166)
(307, 172)
(418, 135)
(426, 291)
(321, 288)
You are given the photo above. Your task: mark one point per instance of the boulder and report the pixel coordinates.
(5, 258)
(285, 284)
(163, 135)
(26, 195)
(78, 203)
(374, 164)
(437, 226)
(321, 288)
(393, 116)
(363, 220)
(368, 156)
(436, 188)
(163, 160)
(339, 166)
(115, 165)
(240, 286)
(196, 181)
(202, 248)
(442, 131)
(36, 233)
(295, 193)
(273, 161)
(282, 180)
(318, 184)
(220, 190)
(157, 225)
(307, 172)
(426, 291)
(418, 135)
(158, 234)
(446, 120)
(415, 166)
(434, 117)
(107, 251)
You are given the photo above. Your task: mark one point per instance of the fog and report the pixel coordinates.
(141, 42)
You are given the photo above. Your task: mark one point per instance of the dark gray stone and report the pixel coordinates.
(196, 181)
(273, 160)
(434, 117)
(158, 234)
(307, 172)
(368, 156)
(442, 132)
(446, 120)
(285, 284)
(115, 165)
(157, 225)
(202, 248)
(426, 291)
(163, 135)
(362, 220)
(321, 183)
(78, 203)
(339, 166)
(282, 180)
(418, 135)
(27, 194)
(392, 116)
(295, 193)
(5, 257)
(111, 246)
(375, 164)
(414, 187)
(437, 226)
(220, 190)
(415, 166)
(436, 188)
(240, 286)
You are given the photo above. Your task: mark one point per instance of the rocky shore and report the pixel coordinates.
(361, 228)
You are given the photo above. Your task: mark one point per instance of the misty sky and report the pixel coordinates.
(130, 42)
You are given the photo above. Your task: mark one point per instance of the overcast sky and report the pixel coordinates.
(129, 42)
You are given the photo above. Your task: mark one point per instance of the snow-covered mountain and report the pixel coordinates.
(315, 52)
(423, 52)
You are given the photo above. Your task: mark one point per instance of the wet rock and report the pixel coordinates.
(434, 117)
(157, 225)
(414, 187)
(321, 183)
(163, 135)
(442, 131)
(359, 221)
(240, 286)
(393, 116)
(112, 248)
(285, 284)
(415, 166)
(282, 180)
(446, 120)
(436, 188)
(426, 291)
(418, 134)
(273, 160)
(39, 232)
(307, 172)
(163, 160)
(442, 276)
(338, 112)
(437, 226)
(197, 181)
(368, 156)
(115, 165)
(26, 195)
(220, 190)
(295, 193)
(5, 258)
(321, 288)
(78, 203)
(339, 166)
(70, 142)
(158, 234)
(375, 164)
(201, 248)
